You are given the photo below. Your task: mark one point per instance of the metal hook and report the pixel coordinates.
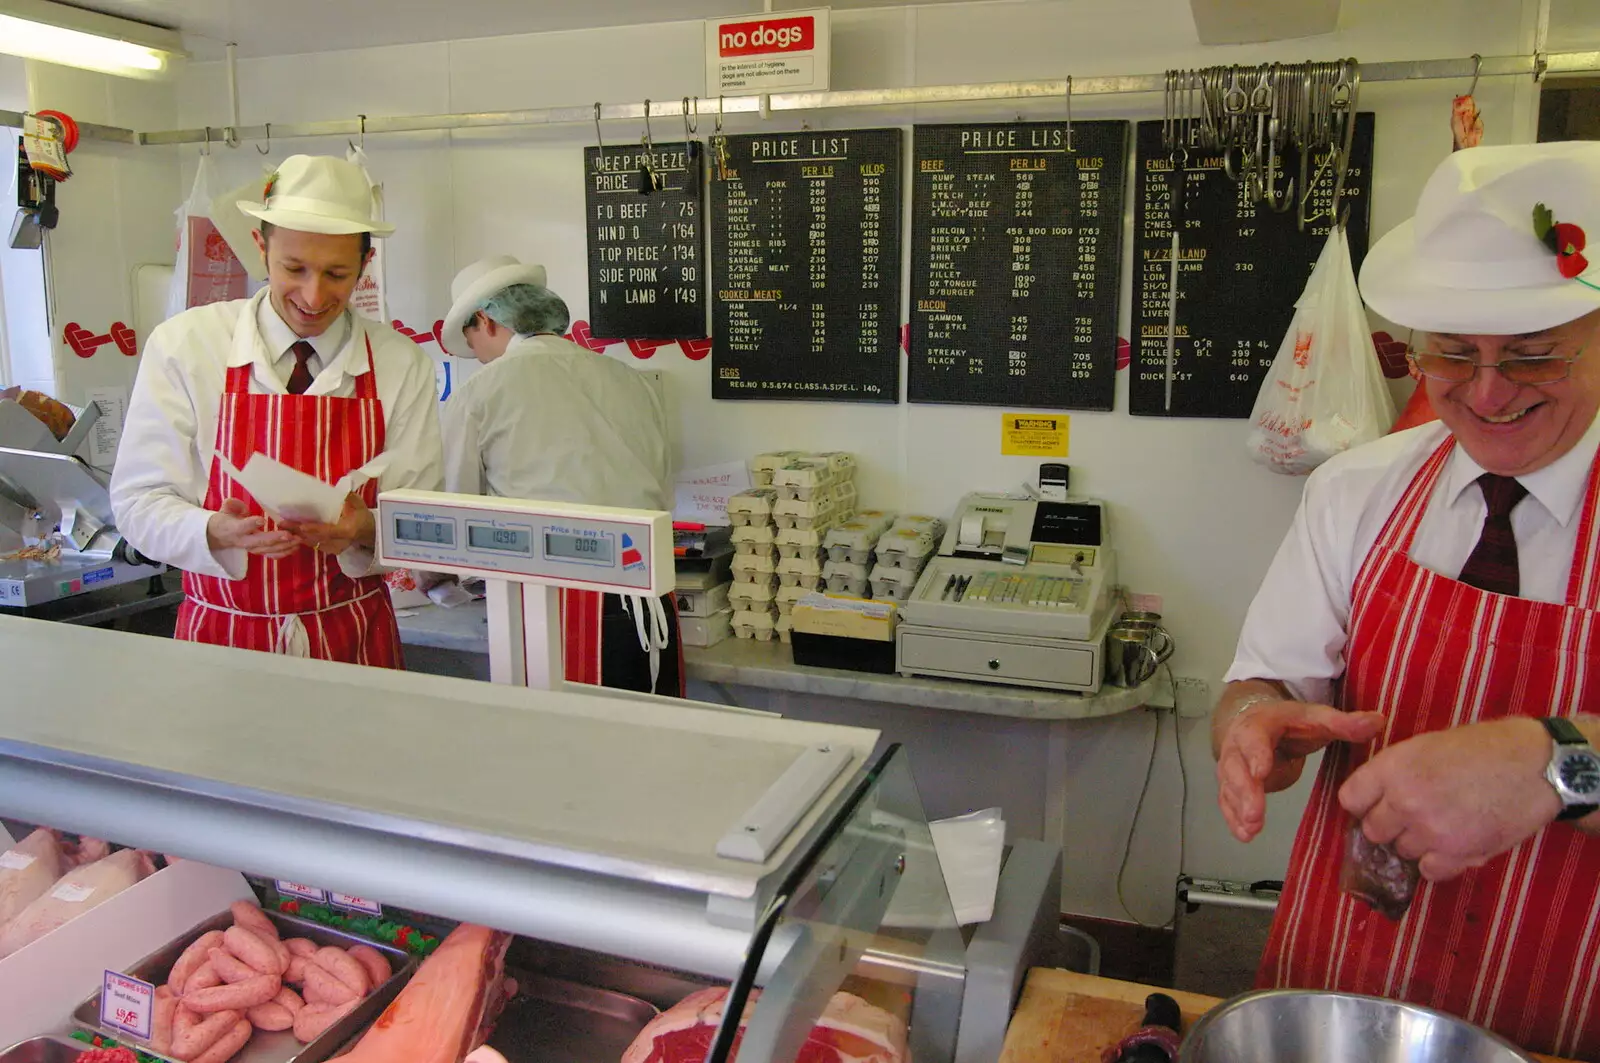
(646, 140)
(1069, 114)
(600, 144)
(268, 149)
(649, 181)
(1477, 66)
(719, 114)
(206, 148)
(691, 130)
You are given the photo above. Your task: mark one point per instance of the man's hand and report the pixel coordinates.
(355, 527)
(1455, 799)
(1264, 748)
(232, 528)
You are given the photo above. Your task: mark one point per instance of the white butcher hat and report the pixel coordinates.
(317, 194)
(1479, 257)
(474, 286)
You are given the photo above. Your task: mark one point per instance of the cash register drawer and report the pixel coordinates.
(996, 659)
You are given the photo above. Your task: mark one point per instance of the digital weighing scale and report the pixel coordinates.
(525, 550)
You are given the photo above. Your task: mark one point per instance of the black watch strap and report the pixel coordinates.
(1565, 733)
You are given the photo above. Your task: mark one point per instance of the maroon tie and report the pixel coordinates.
(300, 379)
(1492, 565)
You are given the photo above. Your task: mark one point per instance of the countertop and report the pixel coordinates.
(770, 666)
(1065, 1017)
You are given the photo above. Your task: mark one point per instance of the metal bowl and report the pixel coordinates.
(1312, 1026)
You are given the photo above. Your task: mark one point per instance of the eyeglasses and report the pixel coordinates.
(1454, 369)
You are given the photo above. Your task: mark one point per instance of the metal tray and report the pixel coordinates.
(46, 1049)
(555, 1021)
(268, 1047)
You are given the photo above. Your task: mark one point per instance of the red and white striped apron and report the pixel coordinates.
(302, 604)
(1515, 945)
(601, 645)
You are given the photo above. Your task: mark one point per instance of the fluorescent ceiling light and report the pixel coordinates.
(56, 33)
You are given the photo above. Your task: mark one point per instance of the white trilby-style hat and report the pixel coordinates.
(1480, 256)
(317, 194)
(472, 288)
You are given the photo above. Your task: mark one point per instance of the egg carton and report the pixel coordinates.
(854, 587)
(754, 625)
(934, 526)
(788, 596)
(752, 507)
(843, 463)
(755, 550)
(818, 523)
(743, 591)
(808, 538)
(804, 474)
(754, 536)
(784, 626)
(892, 584)
(852, 541)
(845, 569)
(755, 566)
(794, 570)
(904, 548)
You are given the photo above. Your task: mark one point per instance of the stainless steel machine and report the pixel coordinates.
(1019, 593)
(44, 490)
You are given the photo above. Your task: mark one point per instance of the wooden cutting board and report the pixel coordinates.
(1066, 1017)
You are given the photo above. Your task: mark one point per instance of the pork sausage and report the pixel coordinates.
(315, 1020)
(230, 968)
(205, 976)
(290, 999)
(345, 967)
(189, 1039)
(237, 998)
(322, 987)
(296, 974)
(227, 1046)
(163, 1012)
(375, 962)
(302, 946)
(254, 950)
(191, 959)
(271, 1017)
(253, 918)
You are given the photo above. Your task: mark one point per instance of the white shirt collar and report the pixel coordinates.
(279, 337)
(1559, 487)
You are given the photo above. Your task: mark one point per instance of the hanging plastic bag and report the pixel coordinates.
(207, 270)
(1325, 392)
(369, 299)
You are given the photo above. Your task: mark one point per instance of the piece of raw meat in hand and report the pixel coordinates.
(448, 1008)
(1378, 875)
(850, 1031)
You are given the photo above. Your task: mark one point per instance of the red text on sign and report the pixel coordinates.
(767, 36)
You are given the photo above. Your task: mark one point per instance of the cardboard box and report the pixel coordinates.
(702, 603)
(850, 618)
(703, 631)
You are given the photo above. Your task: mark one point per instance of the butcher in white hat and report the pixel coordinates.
(1432, 621)
(293, 375)
(546, 419)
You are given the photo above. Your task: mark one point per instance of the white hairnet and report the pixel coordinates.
(528, 309)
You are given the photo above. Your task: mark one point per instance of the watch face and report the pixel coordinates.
(1580, 774)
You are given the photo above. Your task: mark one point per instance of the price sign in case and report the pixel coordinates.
(127, 1004)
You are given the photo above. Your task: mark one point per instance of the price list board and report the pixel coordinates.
(1241, 266)
(1016, 259)
(806, 249)
(646, 252)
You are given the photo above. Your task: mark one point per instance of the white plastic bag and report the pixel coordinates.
(206, 270)
(1325, 392)
(370, 298)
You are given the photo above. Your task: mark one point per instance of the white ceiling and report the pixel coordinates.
(290, 27)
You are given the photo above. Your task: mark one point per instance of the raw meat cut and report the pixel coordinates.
(449, 1007)
(27, 870)
(77, 892)
(850, 1031)
(1466, 124)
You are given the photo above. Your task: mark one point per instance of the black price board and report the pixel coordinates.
(646, 252)
(1241, 266)
(805, 238)
(1016, 259)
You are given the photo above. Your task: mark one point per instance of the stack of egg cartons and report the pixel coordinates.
(903, 552)
(850, 547)
(815, 493)
(755, 563)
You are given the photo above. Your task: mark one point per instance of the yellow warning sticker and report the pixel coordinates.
(1034, 435)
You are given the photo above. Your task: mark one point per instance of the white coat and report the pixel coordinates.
(549, 420)
(158, 487)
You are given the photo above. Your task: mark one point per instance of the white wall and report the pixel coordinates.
(1194, 520)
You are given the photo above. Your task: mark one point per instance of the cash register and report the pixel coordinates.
(1020, 593)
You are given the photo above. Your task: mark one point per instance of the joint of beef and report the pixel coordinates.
(850, 1031)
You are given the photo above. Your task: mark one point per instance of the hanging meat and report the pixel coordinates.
(1466, 124)
(850, 1031)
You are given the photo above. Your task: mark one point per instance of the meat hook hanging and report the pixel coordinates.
(649, 180)
(720, 143)
(268, 149)
(600, 144)
(1070, 148)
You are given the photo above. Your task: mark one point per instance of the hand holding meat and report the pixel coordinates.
(1455, 799)
(1264, 749)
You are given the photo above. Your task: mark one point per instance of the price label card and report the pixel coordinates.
(72, 893)
(299, 889)
(11, 860)
(127, 1004)
(355, 904)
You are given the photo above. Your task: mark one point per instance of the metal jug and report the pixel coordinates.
(1135, 649)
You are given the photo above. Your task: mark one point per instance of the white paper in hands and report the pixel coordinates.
(289, 494)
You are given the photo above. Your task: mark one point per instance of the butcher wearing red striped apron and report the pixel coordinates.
(1514, 945)
(303, 604)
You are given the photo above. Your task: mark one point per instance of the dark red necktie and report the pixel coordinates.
(300, 379)
(1492, 565)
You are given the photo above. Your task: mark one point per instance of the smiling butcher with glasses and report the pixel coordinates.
(1430, 621)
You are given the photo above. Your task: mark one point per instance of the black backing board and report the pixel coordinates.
(805, 246)
(1016, 260)
(1241, 268)
(646, 253)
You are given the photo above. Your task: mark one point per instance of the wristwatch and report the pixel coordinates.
(1574, 769)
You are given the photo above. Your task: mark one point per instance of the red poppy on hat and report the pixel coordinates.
(1566, 240)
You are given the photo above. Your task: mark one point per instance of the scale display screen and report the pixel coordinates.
(579, 547)
(511, 540)
(430, 532)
